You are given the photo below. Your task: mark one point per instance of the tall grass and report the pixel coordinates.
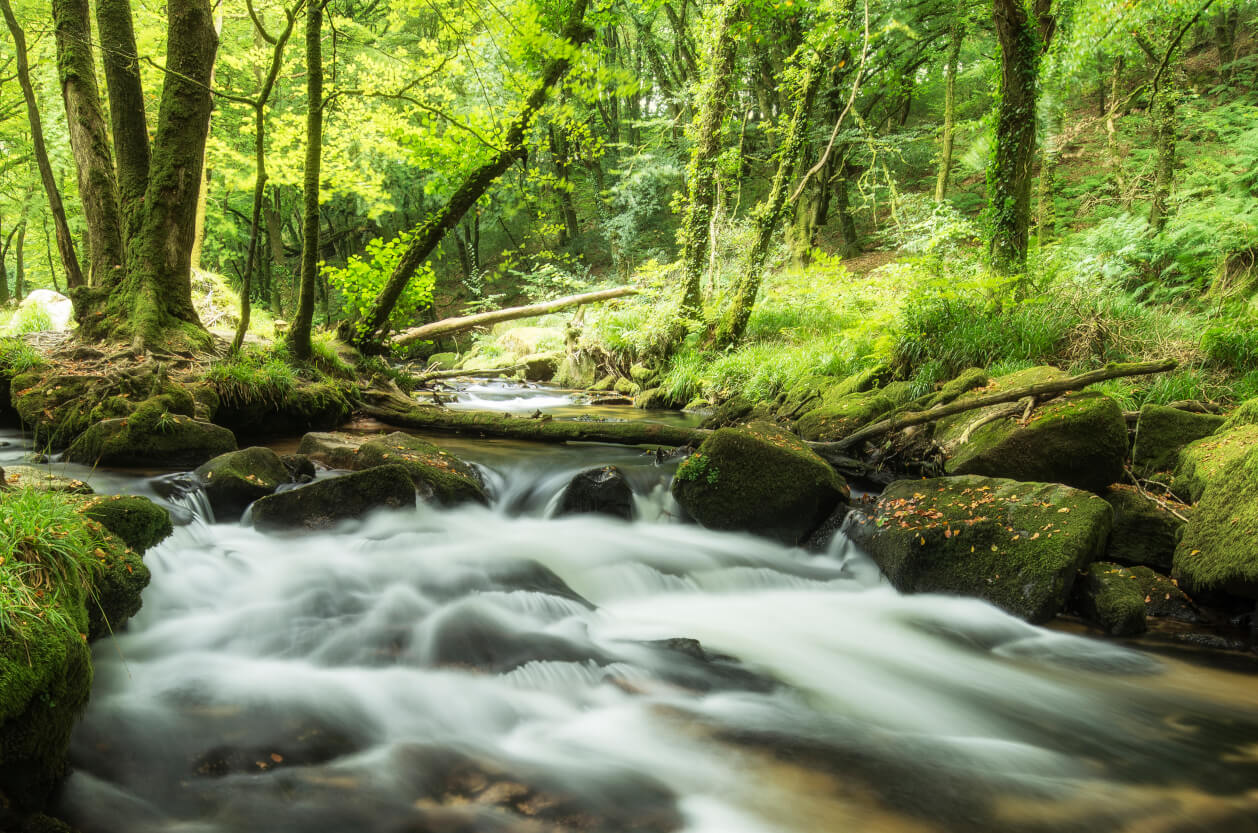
(44, 544)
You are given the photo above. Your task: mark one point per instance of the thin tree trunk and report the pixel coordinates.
(842, 206)
(89, 140)
(126, 108)
(563, 171)
(303, 320)
(19, 278)
(1050, 154)
(203, 193)
(4, 269)
(65, 244)
(956, 36)
(428, 235)
(1112, 159)
(275, 238)
(1164, 143)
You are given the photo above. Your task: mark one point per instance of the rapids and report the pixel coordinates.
(497, 669)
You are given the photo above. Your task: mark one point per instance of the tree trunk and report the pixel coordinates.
(275, 238)
(152, 306)
(126, 108)
(1050, 154)
(1226, 23)
(1164, 142)
(203, 193)
(701, 175)
(19, 277)
(842, 206)
(1009, 173)
(303, 320)
(563, 172)
(1112, 159)
(428, 235)
(89, 140)
(4, 269)
(956, 35)
(65, 244)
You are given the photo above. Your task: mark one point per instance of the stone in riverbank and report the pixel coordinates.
(1144, 532)
(1017, 545)
(152, 436)
(325, 503)
(44, 479)
(1109, 596)
(1204, 461)
(758, 479)
(1161, 432)
(437, 474)
(602, 491)
(1220, 544)
(138, 521)
(236, 479)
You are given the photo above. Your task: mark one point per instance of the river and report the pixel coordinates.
(496, 669)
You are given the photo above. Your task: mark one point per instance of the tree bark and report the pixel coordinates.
(275, 238)
(1009, 173)
(303, 319)
(956, 35)
(19, 265)
(428, 235)
(1163, 111)
(449, 326)
(203, 192)
(65, 244)
(89, 141)
(1112, 159)
(4, 269)
(121, 62)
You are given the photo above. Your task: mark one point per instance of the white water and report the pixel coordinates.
(361, 679)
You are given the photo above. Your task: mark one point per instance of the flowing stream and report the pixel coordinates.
(497, 669)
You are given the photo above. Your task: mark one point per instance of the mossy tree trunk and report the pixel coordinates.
(1009, 172)
(303, 319)
(430, 233)
(89, 140)
(19, 261)
(956, 36)
(1163, 111)
(126, 107)
(65, 243)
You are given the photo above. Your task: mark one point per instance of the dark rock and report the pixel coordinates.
(324, 503)
(603, 491)
(1109, 596)
(234, 480)
(758, 479)
(1017, 545)
(1144, 533)
(301, 469)
(822, 536)
(1162, 432)
(541, 368)
(152, 436)
(333, 449)
(437, 474)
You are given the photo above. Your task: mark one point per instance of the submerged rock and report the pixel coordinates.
(152, 436)
(1144, 533)
(325, 503)
(1162, 432)
(1017, 545)
(603, 491)
(758, 479)
(234, 480)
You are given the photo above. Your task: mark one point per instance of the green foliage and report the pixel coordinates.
(32, 318)
(254, 375)
(1233, 343)
(44, 544)
(362, 277)
(16, 356)
(699, 467)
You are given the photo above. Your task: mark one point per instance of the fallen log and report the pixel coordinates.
(449, 326)
(1039, 391)
(432, 376)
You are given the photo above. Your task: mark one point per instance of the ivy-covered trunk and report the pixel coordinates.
(1009, 172)
(89, 140)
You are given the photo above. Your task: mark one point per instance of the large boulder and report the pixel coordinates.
(758, 479)
(137, 521)
(1079, 439)
(1204, 461)
(1109, 596)
(334, 449)
(437, 474)
(839, 415)
(1219, 548)
(1145, 532)
(152, 436)
(1161, 432)
(325, 503)
(236, 479)
(120, 577)
(601, 491)
(1017, 545)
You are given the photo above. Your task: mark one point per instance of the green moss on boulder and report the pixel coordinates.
(44, 479)
(325, 503)
(152, 436)
(1144, 532)
(120, 577)
(837, 417)
(1017, 545)
(1162, 432)
(966, 381)
(437, 474)
(1110, 596)
(1203, 461)
(307, 406)
(236, 479)
(1245, 414)
(334, 449)
(758, 479)
(137, 521)
(1220, 544)
(1079, 440)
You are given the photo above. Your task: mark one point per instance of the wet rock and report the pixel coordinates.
(1161, 432)
(758, 479)
(823, 535)
(137, 521)
(603, 491)
(1219, 548)
(333, 449)
(151, 436)
(234, 480)
(1108, 596)
(1079, 439)
(1017, 545)
(33, 477)
(1144, 532)
(324, 503)
(301, 469)
(467, 635)
(437, 474)
(121, 577)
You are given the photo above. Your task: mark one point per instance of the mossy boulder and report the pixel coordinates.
(1145, 532)
(334, 449)
(758, 479)
(324, 503)
(44, 479)
(120, 578)
(308, 406)
(966, 381)
(1161, 432)
(1109, 596)
(1079, 440)
(840, 415)
(151, 436)
(137, 521)
(1202, 462)
(1017, 545)
(236, 479)
(733, 411)
(1245, 414)
(601, 491)
(437, 474)
(442, 361)
(1219, 548)
(654, 399)
(541, 368)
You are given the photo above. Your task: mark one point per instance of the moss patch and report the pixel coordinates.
(1017, 545)
(1109, 596)
(1162, 432)
(437, 474)
(1202, 462)
(838, 417)
(1220, 543)
(152, 436)
(1144, 532)
(236, 479)
(138, 521)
